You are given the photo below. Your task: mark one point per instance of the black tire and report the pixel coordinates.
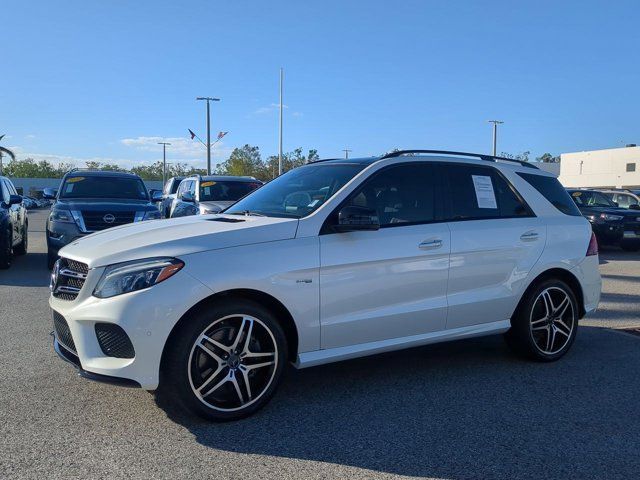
(189, 368)
(21, 248)
(531, 331)
(630, 246)
(6, 252)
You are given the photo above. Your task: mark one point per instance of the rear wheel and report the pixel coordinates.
(546, 323)
(226, 362)
(21, 248)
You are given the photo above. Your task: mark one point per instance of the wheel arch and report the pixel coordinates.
(561, 274)
(268, 301)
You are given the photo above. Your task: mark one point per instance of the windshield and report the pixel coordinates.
(212, 191)
(298, 192)
(104, 187)
(585, 198)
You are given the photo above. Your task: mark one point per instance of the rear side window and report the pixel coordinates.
(551, 189)
(481, 193)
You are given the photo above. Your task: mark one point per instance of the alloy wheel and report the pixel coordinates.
(552, 320)
(232, 362)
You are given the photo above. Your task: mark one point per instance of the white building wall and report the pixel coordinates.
(601, 168)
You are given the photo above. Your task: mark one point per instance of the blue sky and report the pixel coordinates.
(101, 80)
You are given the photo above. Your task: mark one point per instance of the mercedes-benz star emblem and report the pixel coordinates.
(109, 218)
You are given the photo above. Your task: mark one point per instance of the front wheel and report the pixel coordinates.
(21, 248)
(545, 324)
(226, 362)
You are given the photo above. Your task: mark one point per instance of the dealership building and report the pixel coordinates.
(610, 168)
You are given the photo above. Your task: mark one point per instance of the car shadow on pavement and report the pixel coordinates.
(29, 270)
(467, 409)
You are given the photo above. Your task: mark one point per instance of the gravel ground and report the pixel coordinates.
(463, 410)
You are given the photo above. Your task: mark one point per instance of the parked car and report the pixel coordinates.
(333, 260)
(14, 224)
(611, 224)
(29, 203)
(210, 194)
(623, 198)
(168, 195)
(89, 201)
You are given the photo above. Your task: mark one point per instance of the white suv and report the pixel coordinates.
(333, 260)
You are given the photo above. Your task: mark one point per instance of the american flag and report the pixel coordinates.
(221, 134)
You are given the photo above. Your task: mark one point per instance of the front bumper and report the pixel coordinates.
(146, 316)
(608, 233)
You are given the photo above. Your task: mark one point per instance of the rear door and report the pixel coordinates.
(495, 241)
(389, 283)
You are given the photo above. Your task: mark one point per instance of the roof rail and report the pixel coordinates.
(481, 156)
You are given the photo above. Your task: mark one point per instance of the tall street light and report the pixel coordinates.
(164, 161)
(346, 152)
(280, 129)
(495, 134)
(208, 99)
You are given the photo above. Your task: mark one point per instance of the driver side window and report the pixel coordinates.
(401, 195)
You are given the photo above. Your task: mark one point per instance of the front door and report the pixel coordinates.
(389, 283)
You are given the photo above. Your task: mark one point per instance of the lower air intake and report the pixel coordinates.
(113, 341)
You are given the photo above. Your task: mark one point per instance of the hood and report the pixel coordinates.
(216, 206)
(105, 205)
(177, 236)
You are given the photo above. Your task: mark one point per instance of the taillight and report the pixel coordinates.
(593, 245)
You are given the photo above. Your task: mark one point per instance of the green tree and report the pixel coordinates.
(523, 157)
(548, 158)
(243, 161)
(290, 160)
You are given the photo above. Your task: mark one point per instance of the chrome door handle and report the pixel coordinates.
(529, 236)
(429, 244)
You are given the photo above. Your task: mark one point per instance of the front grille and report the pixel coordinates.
(63, 334)
(113, 341)
(95, 221)
(68, 278)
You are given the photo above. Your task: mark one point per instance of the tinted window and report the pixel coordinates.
(403, 194)
(225, 191)
(478, 192)
(104, 187)
(589, 198)
(12, 190)
(551, 189)
(625, 200)
(5, 191)
(298, 192)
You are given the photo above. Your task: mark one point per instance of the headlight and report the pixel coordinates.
(151, 215)
(62, 216)
(137, 275)
(610, 218)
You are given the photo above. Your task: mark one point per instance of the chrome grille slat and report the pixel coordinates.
(68, 278)
(95, 221)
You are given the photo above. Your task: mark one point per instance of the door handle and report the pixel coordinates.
(430, 244)
(529, 236)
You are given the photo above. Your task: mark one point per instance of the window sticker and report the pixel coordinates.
(75, 179)
(207, 184)
(576, 194)
(484, 191)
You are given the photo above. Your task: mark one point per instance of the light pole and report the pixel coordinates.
(346, 153)
(495, 134)
(164, 161)
(280, 130)
(208, 99)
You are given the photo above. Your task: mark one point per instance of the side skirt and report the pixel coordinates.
(320, 357)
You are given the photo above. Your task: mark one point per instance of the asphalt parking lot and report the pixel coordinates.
(463, 410)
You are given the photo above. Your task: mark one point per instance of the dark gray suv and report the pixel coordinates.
(13, 223)
(89, 201)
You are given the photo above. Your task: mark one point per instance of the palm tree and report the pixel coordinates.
(4, 150)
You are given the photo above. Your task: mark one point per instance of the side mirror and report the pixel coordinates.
(49, 193)
(634, 206)
(15, 199)
(156, 195)
(187, 197)
(354, 218)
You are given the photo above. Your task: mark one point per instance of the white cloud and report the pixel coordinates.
(31, 136)
(182, 148)
(269, 108)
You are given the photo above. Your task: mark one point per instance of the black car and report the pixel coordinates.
(611, 224)
(14, 225)
(89, 201)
